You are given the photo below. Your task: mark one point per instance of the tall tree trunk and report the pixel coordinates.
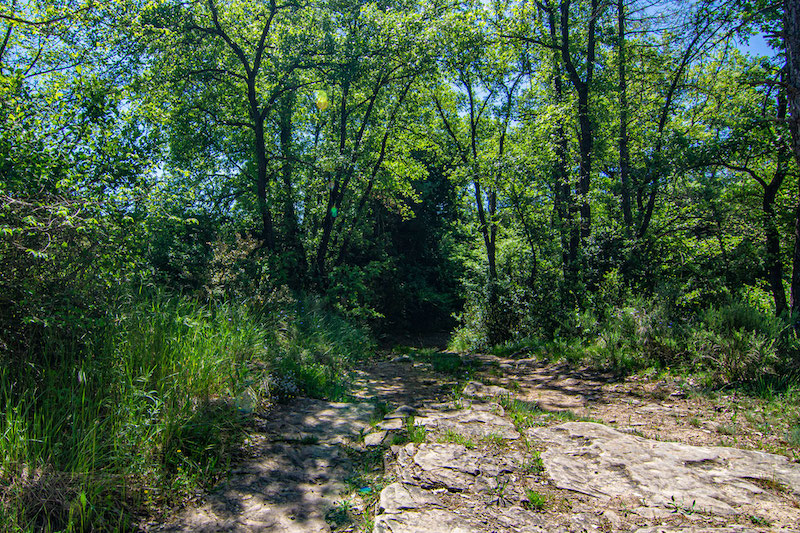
(582, 87)
(334, 196)
(294, 245)
(624, 154)
(564, 205)
(267, 230)
(773, 242)
(791, 39)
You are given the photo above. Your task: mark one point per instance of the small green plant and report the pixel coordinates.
(451, 436)
(694, 422)
(381, 409)
(340, 514)
(410, 433)
(728, 429)
(534, 501)
(499, 491)
(679, 507)
(494, 439)
(534, 465)
(759, 521)
(415, 433)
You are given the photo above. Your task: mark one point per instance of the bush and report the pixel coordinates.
(739, 342)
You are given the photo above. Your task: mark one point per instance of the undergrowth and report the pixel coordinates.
(145, 410)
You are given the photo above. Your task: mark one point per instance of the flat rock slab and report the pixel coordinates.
(599, 461)
(453, 466)
(733, 529)
(316, 421)
(428, 521)
(399, 497)
(471, 422)
(287, 489)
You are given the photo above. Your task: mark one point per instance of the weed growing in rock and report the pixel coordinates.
(493, 439)
(415, 433)
(534, 501)
(680, 507)
(759, 521)
(523, 414)
(452, 437)
(411, 433)
(534, 464)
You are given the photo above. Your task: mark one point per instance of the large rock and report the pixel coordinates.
(428, 521)
(732, 529)
(286, 490)
(454, 467)
(472, 422)
(599, 461)
(400, 497)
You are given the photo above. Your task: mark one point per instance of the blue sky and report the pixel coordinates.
(757, 46)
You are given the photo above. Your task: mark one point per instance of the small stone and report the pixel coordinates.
(404, 411)
(376, 439)
(394, 424)
(479, 390)
(613, 519)
(401, 359)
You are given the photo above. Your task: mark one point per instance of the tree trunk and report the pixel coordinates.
(564, 205)
(773, 242)
(582, 87)
(267, 231)
(791, 39)
(297, 266)
(624, 154)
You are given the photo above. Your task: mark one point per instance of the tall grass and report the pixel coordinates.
(146, 409)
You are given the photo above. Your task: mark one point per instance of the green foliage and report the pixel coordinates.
(534, 465)
(534, 500)
(452, 437)
(150, 407)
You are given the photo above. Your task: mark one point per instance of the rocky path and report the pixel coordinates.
(511, 451)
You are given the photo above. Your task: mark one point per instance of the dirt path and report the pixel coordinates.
(515, 450)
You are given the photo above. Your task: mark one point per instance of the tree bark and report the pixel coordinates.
(564, 205)
(624, 153)
(582, 88)
(260, 150)
(294, 245)
(791, 39)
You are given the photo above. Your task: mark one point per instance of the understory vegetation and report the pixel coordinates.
(733, 342)
(148, 407)
(206, 205)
